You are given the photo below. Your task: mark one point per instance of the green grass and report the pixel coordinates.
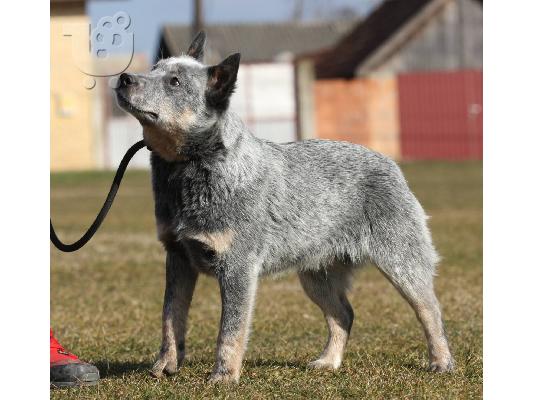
(106, 304)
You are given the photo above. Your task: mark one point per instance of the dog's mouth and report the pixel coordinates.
(148, 116)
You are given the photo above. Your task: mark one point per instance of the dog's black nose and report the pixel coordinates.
(127, 80)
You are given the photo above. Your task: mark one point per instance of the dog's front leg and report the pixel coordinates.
(238, 290)
(180, 284)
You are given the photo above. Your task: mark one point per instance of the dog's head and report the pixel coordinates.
(179, 99)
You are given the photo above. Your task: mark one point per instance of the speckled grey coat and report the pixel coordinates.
(237, 207)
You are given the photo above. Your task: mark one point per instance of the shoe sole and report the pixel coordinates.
(89, 379)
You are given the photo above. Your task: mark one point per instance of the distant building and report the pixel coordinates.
(407, 36)
(265, 95)
(406, 81)
(74, 143)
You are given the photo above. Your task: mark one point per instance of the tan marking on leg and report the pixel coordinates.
(219, 242)
(333, 353)
(177, 301)
(437, 342)
(232, 351)
(230, 354)
(167, 355)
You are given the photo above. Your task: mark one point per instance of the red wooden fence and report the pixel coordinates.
(441, 115)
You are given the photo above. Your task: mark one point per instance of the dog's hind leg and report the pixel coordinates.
(181, 278)
(412, 274)
(328, 288)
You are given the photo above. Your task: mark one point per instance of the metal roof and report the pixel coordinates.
(257, 42)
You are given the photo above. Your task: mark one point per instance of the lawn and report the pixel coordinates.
(106, 304)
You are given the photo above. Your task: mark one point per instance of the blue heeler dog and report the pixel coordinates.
(237, 207)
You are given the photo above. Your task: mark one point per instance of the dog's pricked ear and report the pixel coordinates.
(196, 50)
(221, 82)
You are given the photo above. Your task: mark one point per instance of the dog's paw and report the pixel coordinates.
(163, 366)
(223, 378)
(324, 364)
(441, 366)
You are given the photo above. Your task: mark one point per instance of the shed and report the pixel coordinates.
(408, 35)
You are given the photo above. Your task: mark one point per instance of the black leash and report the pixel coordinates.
(105, 208)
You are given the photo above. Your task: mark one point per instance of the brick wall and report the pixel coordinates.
(362, 111)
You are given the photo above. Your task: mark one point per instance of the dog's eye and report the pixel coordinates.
(174, 81)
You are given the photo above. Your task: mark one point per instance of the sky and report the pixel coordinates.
(149, 15)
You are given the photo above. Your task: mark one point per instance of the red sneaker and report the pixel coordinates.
(68, 370)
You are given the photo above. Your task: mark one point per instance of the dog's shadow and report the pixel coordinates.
(113, 369)
(117, 369)
(110, 369)
(266, 363)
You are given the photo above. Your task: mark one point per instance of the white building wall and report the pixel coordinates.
(265, 100)
(123, 132)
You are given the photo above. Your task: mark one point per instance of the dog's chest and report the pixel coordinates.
(189, 205)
